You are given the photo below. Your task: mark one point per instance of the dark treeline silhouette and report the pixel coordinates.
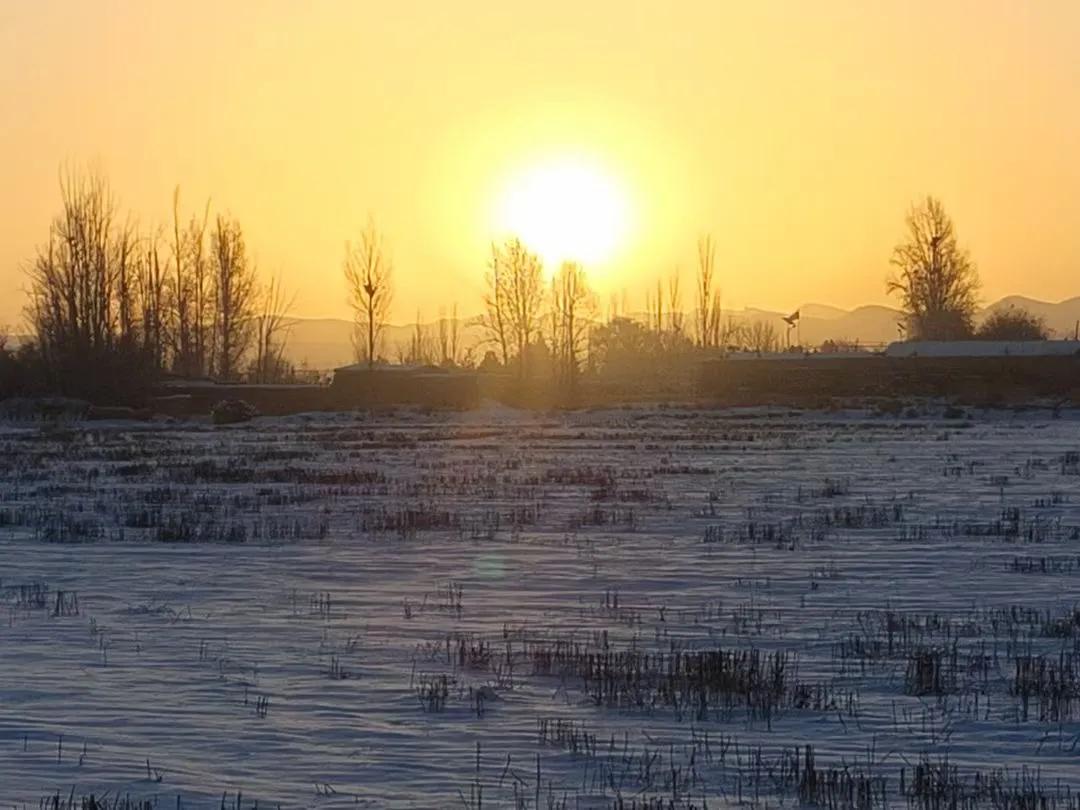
(113, 307)
(550, 333)
(578, 344)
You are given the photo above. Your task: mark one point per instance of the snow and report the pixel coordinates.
(540, 520)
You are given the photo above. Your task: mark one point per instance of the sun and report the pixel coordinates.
(565, 209)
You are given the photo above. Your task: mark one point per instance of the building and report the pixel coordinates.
(975, 372)
(361, 386)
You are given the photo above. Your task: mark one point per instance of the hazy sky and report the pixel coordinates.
(796, 132)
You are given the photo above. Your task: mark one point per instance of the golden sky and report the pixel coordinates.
(795, 132)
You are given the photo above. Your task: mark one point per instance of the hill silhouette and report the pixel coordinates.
(325, 343)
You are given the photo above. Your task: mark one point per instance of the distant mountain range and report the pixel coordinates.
(325, 343)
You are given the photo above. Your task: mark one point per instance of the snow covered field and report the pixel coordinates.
(666, 608)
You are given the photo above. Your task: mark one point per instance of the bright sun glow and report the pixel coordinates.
(565, 210)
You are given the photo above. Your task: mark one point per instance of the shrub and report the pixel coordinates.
(118, 375)
(232, 411)
(1013, 324)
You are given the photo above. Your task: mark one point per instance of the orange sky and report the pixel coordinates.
(796, 132)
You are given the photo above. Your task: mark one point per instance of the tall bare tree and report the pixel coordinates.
(654, 307)
(201, 274)
(676, 317)
(125, 252)
(369, 283)
(496, 319)
(86, 308)
(182, 293)
(708, 298)
(572, 308)
(154, 290)
(612, 308)
(449, 337)
(73, 278)
(523, 292)
(936, 280)
(421, 348)
(192, 288)
(272, 326)
(235, 297)
(110, 306)
(664, 307)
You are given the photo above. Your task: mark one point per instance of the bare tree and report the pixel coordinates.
(200, 271)
(85, 307)
(235, 296)
(669, 323)
(654, 308)
(572, 307)
(524, 284)
(731, 334)
(513, 300)
(421, 348)
(935, 279)
(454, 354)
(154, 292)
(761, 337)
(676, 318)
(125, 274)
(449, 337)
(72, 279)
(612, 308)
(496, 318)
(443, 338)
(272, 327)
(369, 281)
(182, 293)
(708, 298)
(110, 305)
(191, 292)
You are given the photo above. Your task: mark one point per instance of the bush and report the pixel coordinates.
(20, 372)
(841, 346)
(232, 411)
(626, 348)
(1013, 324)
(117, 375)
(944, 325)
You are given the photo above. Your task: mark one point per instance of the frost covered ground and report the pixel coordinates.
(666, 608)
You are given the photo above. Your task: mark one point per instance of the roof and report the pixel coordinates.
(416, 370)
(983, 348)
(387, 368)
(799, 355)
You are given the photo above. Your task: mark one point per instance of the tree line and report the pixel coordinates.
(113, 305)
(556, 330)
(552, 330)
